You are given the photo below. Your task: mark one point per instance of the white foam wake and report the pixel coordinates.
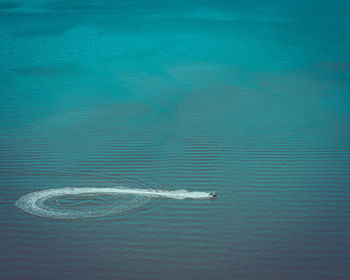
(36, 203)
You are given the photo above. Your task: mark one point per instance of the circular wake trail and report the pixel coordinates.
(38, 203)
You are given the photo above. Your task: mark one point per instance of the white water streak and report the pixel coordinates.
(34, 203)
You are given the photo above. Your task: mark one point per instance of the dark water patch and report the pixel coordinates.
(42, 31)
(9, 5)
(48, 71)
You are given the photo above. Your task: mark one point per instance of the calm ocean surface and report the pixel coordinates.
(250, 99)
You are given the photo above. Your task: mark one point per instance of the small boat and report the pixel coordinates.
(213, 194)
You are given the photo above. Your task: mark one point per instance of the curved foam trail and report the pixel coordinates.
(34, 203)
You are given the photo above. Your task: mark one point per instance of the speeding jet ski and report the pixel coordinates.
(213, 195)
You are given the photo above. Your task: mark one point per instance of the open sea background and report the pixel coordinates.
(247, 98)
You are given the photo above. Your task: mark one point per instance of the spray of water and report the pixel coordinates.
(46, 204)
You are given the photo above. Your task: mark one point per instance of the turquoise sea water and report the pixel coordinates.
(246, 98)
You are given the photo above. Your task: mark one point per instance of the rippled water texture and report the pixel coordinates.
(111, 109)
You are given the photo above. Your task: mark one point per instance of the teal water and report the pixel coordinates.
(246, 98)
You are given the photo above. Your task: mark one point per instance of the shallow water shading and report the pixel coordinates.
(247, 99)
